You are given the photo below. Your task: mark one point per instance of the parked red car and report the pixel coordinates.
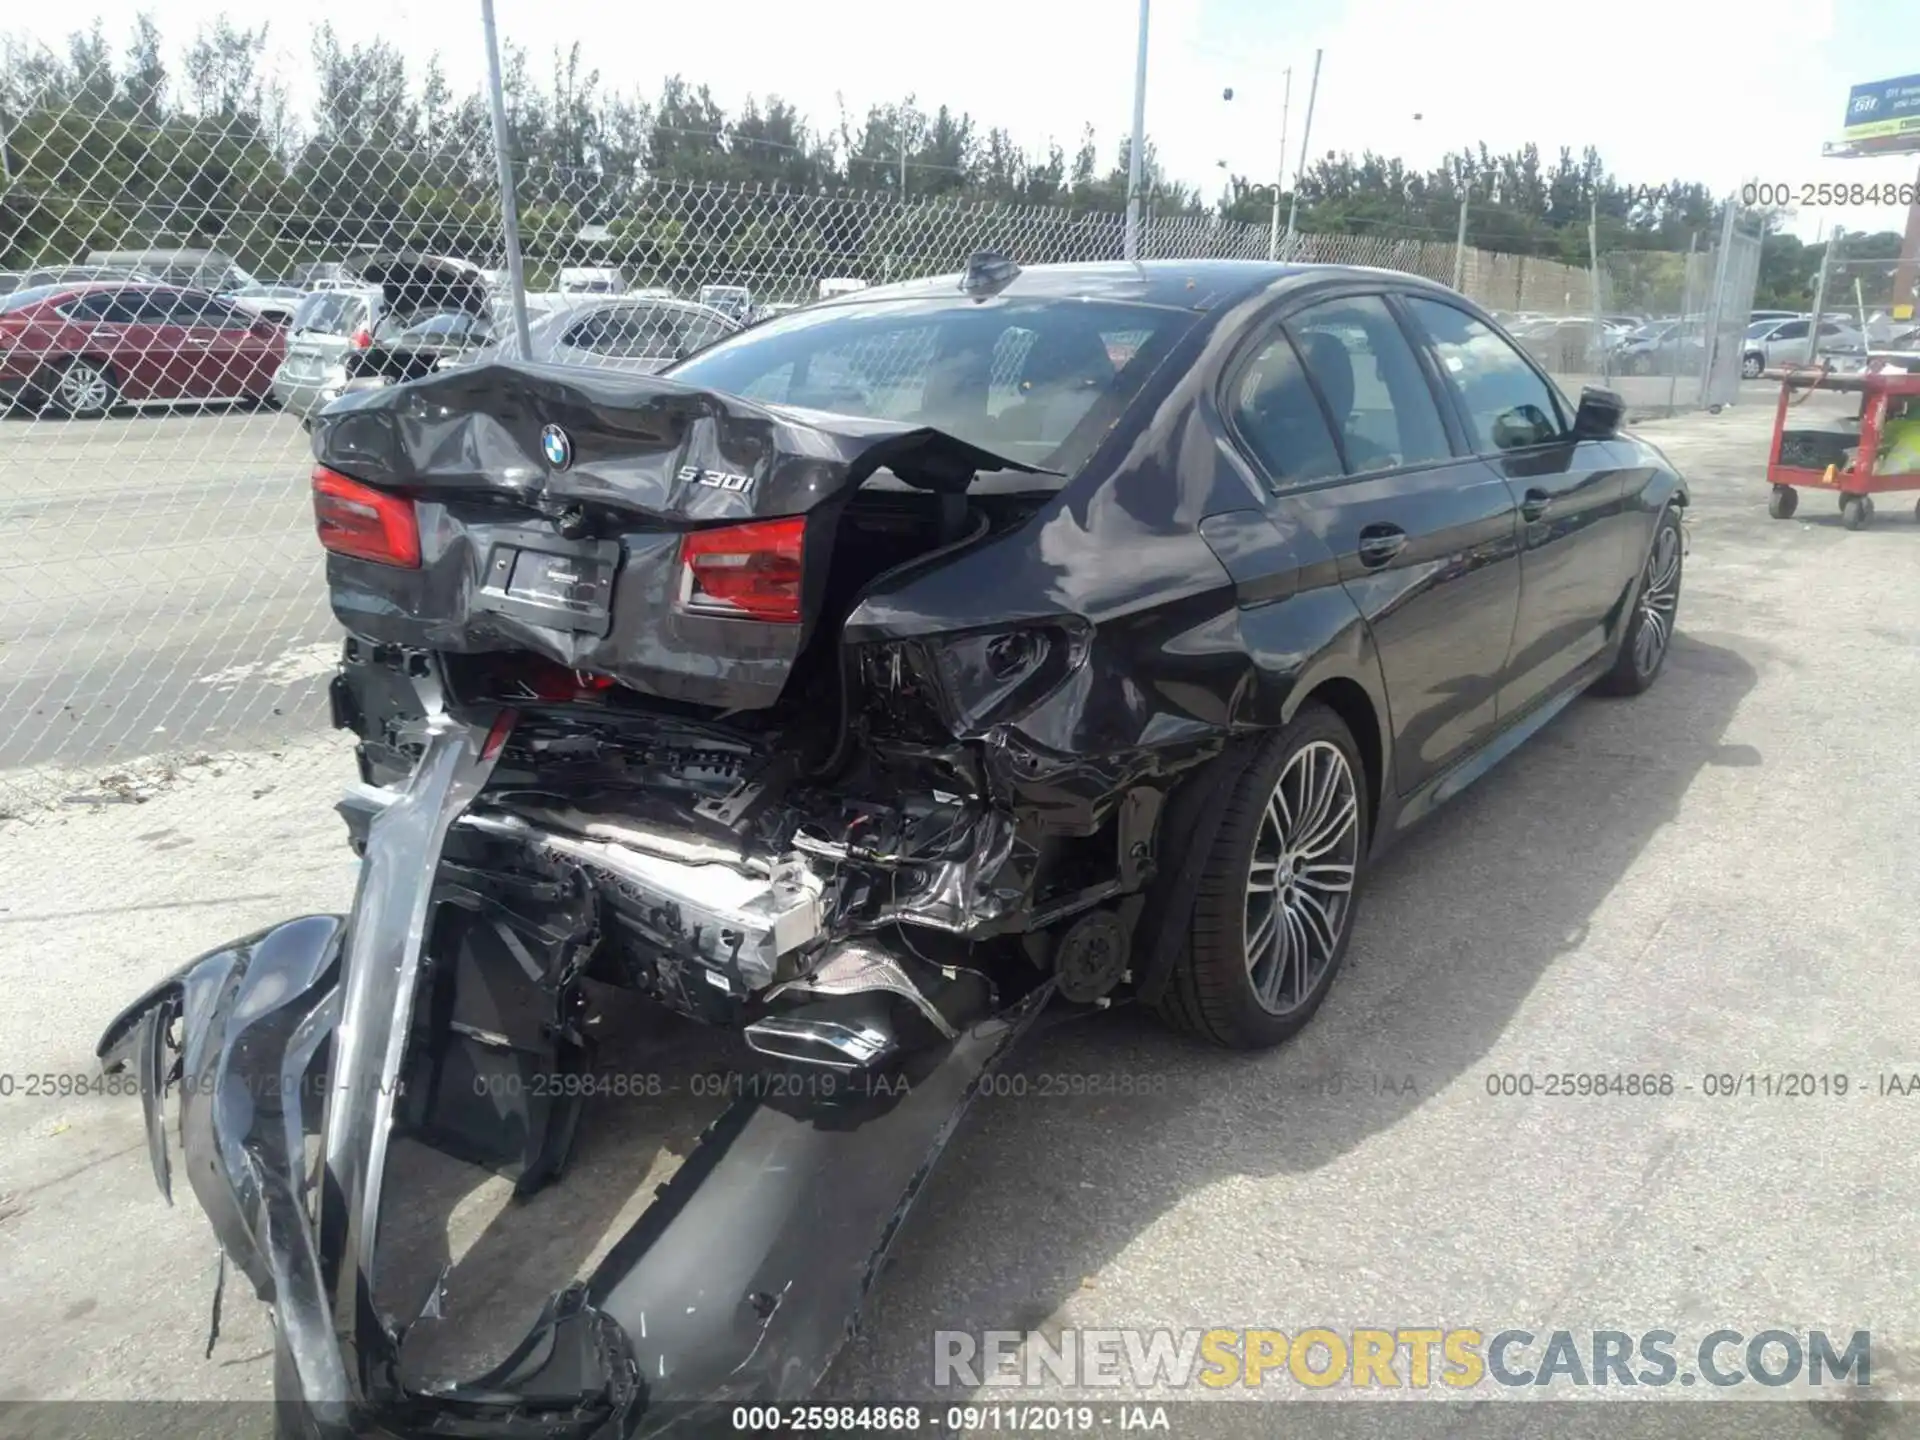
(82, 349)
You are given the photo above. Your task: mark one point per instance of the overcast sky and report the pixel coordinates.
(1722, 91)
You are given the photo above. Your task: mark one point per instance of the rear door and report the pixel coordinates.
(1423, 535)
(1572, 498)
(1787, 344)
(238, 359)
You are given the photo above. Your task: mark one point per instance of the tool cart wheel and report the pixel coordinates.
(1856, 512)
(1916, 509)
(1783, 502)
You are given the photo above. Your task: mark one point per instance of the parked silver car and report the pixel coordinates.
(327, 324)
(618, 333)
(1784, 342)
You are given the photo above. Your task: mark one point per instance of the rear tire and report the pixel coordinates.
(1275, 904)
(1648, 635)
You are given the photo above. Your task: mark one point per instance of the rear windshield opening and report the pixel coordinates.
(330, 314)
(1034, 380)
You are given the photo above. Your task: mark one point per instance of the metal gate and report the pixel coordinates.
(1736, 273)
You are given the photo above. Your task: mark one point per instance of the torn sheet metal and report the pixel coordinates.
(738, 1283)
(645, 446)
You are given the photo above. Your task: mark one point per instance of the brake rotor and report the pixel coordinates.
(1091, 958)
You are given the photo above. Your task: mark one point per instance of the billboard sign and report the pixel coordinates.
(1884, 108)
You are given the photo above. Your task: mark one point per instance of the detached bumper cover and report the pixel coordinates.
(738, 1283)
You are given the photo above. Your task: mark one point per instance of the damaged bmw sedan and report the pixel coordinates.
(1059, 636)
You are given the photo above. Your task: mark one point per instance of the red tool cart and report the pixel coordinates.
(1845, 456)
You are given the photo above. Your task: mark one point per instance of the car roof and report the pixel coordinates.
(63, 288)
(574, 306)
(1187, 284)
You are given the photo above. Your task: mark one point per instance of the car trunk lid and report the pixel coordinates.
(684, 543)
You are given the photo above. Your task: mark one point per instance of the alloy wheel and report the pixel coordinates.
(1300, 879)
(1659, 600)
(82, 389)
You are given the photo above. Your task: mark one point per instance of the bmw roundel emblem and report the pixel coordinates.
(555, 445)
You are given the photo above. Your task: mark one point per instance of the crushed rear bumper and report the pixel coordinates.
(738, 1283)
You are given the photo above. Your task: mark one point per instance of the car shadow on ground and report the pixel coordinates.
(1044, 1186)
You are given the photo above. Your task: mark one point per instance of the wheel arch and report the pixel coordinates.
(1347, 698)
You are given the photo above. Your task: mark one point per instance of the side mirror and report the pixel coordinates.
(1600, 415)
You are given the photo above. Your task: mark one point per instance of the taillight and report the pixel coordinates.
(358, 520)
(750, 571)
(362, 338)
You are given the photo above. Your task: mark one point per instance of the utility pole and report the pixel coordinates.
(1306, 138)
(509, 210)
(1280, 177)
(1136, 149)
(903, 157)
(1460, 242)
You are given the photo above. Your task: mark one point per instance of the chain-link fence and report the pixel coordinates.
(186, 277)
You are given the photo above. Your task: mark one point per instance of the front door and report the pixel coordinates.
(1575, 529)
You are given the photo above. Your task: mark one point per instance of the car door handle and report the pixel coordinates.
(1379, 543)
(1534, 505)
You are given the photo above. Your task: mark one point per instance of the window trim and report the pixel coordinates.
(1459, 434)
(1564, 410)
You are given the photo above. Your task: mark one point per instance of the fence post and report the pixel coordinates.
(1686, 304)
(509, 211)
(1460, 244)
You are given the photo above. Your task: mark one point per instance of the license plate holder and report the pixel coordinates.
(558, 584)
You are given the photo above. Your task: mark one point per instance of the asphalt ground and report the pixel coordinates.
(1715, 879)
(160, 588)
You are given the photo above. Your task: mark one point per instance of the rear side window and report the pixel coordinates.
(330, 313)
(1371, 383)
(1508, 405)
(166, 307)
(100, 305)
(1275, 413)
